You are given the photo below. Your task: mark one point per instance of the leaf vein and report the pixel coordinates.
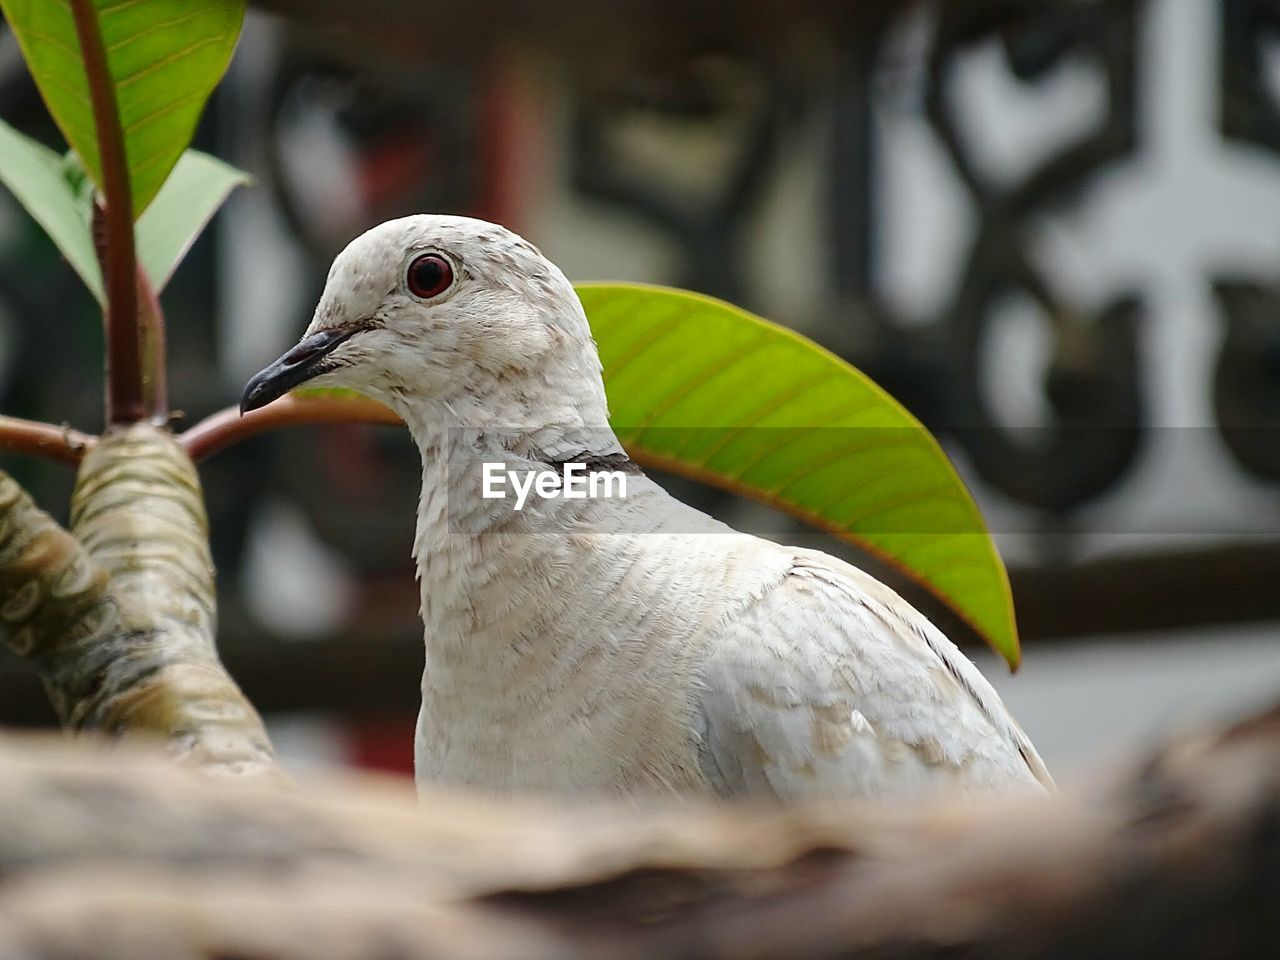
(163, 62)
(718, 365)
(81, 96)
(771, 405)
(55, 42)
(935, 494)
(158, 113)
(155, 27)
(118, 6)
(790, 436)
(660, 329)
(839, 454)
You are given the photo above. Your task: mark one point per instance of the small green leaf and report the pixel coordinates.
(165, 57)
(703, 388)
(56, 192)
(51, 191)
(198, 186)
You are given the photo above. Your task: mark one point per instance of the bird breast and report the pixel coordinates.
(569, 662)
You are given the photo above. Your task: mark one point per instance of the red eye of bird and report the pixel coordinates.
(429, 276)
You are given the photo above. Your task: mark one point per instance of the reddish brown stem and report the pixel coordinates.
(61, 444)
(155, 387)
(227, 427)
(126, 401)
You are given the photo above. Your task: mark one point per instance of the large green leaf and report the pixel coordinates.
(47, 185)
(191, 196)
(703, 388)
(165, 57)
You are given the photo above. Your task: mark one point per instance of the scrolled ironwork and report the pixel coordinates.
(697, 87)
(1246, 381)
(1092, 381)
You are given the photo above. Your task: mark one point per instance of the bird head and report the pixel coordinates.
(441, 312)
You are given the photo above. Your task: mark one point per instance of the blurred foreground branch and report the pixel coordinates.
(123, 856)
(118, 615)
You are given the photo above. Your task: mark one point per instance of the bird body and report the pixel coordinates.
(619, 646)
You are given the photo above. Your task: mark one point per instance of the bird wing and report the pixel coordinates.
(831, 685)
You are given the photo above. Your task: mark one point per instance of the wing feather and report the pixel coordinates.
(830, 684)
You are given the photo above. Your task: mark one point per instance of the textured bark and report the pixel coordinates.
(53, 598)
(118, 616)
(1179, 858)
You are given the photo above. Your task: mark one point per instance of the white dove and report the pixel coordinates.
(608, 646)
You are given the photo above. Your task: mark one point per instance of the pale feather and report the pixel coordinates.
(831, 685)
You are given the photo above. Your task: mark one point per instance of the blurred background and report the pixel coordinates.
(1050, 227)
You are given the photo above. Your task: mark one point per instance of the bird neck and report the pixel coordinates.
(457, 437)
(463, 533)
(551, 413)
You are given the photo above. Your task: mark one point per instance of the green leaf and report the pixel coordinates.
(198, 186)
(190, 197)
(43, 183)
(165, 57)
(699, 387)
(54, 190)
(327, 393)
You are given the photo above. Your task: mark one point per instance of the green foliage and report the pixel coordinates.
(48, 186)
(198, 186)
(165, 57)
(55, 191)
(705, 389)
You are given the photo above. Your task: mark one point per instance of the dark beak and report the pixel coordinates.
(308, 359)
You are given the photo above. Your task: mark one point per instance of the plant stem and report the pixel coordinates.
(227, 427)
(125, 398)
(60, 444)
(155, 387)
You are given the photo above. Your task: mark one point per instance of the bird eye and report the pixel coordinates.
(429, 276)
